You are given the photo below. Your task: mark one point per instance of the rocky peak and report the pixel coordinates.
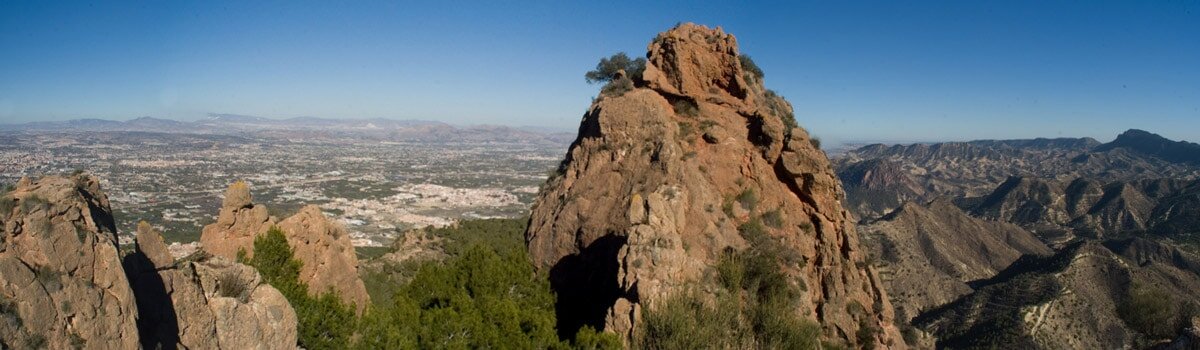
(1152, 144)
(61, 282)
(695, 61)
(237, 196)
(660, 178)
(239, 221)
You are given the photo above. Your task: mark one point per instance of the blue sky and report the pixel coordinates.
(871, 71)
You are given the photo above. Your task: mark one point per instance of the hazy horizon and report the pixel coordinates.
(936, 71)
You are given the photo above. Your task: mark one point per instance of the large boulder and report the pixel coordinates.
(204, 301)
(61, 282)
(653, 191)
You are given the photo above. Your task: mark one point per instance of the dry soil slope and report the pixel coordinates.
(1066, 301)
(928, 253)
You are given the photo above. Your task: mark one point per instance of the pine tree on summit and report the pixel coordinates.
(608, 68)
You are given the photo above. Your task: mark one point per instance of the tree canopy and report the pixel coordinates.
(608, 67)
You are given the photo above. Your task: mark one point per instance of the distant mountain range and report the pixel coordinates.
(306, 127)
(879, 177)
(1043, 243)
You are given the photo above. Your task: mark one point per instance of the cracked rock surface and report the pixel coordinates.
(61, 281)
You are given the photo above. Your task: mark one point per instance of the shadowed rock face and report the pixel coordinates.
(644, 203)
(1153, 145)
(204, 302)
(61, 282)
(322, 245)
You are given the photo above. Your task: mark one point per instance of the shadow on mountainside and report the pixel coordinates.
(586, 285)
(157, 324)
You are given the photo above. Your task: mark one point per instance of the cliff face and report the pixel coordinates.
(61, 282)
(661, 177)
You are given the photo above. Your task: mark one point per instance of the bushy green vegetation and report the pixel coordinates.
(480, 299)
(485, 295)
(779, 107)
(504, 236)
(687, 322)
(606, 72)
(773, 218)
(756, 310)
(748, 199)
(617, 87)
(686, 107)
(33, 203)
(1153, 312)
(323, 321)
(7, 203)
(750, 67)
(740, 319)
(608, 67)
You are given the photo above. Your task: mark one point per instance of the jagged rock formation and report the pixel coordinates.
(655, 187)
(61, 283)
(929, 253)
(322, 245)
(204, 302)
(1060, 211)
(239, 221)
(329, 259)
(1069, 300)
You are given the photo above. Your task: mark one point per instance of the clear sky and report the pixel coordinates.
(878, 71)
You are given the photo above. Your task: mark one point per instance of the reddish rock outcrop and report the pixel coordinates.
(322, 245)
(658, 181)
(330, 262)
(238, 223)
(61, 282)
